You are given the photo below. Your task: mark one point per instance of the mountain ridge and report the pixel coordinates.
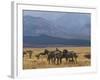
(50, 40)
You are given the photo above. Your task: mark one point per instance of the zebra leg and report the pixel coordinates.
(57, 61)
(66, 59)
(48, 60)
(76, 60)
(60, 60)
(54, 61)
(72, 60)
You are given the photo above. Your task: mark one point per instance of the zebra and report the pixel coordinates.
(70, 56)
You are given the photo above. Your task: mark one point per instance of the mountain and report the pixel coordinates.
(45, 40)
(36, 25)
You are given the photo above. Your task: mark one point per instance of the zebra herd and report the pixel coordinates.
(56, 56)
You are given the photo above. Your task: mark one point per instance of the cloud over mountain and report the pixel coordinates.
(57, 24)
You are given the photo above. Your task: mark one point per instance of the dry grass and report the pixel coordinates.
(34, 63)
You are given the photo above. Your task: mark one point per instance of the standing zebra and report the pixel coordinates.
(70, 56)
(54, 57)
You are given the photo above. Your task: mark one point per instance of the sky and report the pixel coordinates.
(57, 24)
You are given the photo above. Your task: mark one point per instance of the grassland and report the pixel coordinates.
(35, 63)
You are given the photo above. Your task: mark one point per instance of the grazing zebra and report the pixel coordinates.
(41, 54)
(30, 53)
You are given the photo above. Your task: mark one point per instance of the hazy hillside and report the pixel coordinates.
(44, 40)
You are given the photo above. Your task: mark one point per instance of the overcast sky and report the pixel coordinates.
(57, 24)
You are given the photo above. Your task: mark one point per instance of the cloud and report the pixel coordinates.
(58, 24)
